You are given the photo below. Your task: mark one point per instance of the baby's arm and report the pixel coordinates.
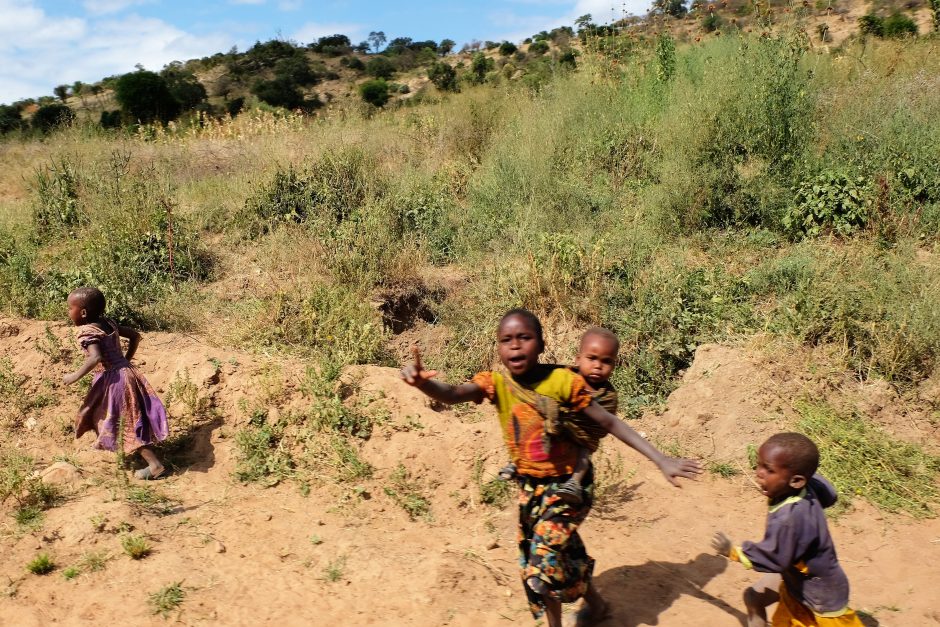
(92, 360)
(416, 376)
(133, 340)
(672, 467)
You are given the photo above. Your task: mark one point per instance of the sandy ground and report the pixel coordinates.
(247, 555)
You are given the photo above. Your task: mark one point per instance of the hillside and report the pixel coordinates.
(756, 217)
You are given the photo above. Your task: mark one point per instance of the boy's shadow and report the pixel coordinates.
(639, 594)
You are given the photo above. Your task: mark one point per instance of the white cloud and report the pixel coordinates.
(312, 31)
(101, 7)
(247, 1)
(289, 5)
(514, 27)
(39, 51)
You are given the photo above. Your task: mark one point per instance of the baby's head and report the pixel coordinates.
(597, 355)
(519, 341)
(86, 304)
(785, 462)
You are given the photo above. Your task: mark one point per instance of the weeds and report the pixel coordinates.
(333, 571)
(167, 599)
(42, 564)
(137, 547)
(408, 493)
(861, 460)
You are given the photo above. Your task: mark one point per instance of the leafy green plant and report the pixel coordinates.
(333, 571)
(261, 458)
(71, 572)
(42, 564)
(408, 493)
(167, 598)
(898, 25)
(57, 211)
(375, 92)
(137, 547)
(829, 202)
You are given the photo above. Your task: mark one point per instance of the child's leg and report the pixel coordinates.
(758, 597)
(581, 468)
(153, 464)
(552, 611)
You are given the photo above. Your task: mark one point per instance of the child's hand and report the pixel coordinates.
(415, 374)
(722, 544)
(674, 467)
(70, 378)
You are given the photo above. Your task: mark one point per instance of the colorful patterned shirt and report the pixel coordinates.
(530, 447)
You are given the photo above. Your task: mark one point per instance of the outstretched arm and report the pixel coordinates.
(133, 340)
(416, 376)
(92, 360)
(672, 467)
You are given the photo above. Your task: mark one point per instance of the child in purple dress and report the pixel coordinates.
(120, 404)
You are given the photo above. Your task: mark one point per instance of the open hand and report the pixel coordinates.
(69, 379)
(415, 374)
(674, 467)
(722, 544)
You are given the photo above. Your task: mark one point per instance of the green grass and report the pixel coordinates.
(42, 564)
(863, 461)
(71, 572)
(137, 547)
(407, 493)
(167, 599)
(145, 498)
(334, 570)
(723, 469)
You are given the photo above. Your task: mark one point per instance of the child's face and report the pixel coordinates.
(596, 359)
(518, 345)
(77, 312)
(775, 479)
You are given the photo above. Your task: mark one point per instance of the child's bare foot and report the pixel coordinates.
(508, 472)
(570, 492)
(149, 473)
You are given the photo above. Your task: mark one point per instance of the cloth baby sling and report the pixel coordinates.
(559, 420)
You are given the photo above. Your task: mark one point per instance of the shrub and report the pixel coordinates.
(507, 48)
(375, 92)
(145, 97)
(444, 76)
(57, 211)
(712, 22)
(110, 119)
(279, 92)
(480, 65)
(260, 457)
(52, 116)
(871, 24)
(538, 47)
(899, 25)
(829, 202)
(380, 67)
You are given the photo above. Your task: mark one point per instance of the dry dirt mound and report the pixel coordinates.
(349, 554)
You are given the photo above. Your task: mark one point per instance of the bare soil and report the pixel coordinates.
(349, 555)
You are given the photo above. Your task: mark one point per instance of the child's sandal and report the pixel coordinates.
(145, 474)
(570, 492)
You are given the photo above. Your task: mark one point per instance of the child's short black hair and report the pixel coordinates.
(91, 299)
(802, 456)
(529, 317)
(604, 333)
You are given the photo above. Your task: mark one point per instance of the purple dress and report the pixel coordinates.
(118, 394)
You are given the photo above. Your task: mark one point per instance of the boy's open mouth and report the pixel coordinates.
(517, 359)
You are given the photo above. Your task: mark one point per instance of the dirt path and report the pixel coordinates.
(348, 555)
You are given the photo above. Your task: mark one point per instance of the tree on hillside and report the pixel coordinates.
(145, 97)
(444, 76)
(480, 66)
(61, 92)
(279, 92)
(183, 85)
(377, 39)
(507, 48)
(332, 45)
(675, 8)
(585, 22)
(52, 116)
(447, 46)
(10, 119)
(380, 67)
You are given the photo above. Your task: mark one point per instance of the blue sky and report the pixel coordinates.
(44, 43)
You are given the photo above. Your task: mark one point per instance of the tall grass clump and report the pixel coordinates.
(861, 460)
